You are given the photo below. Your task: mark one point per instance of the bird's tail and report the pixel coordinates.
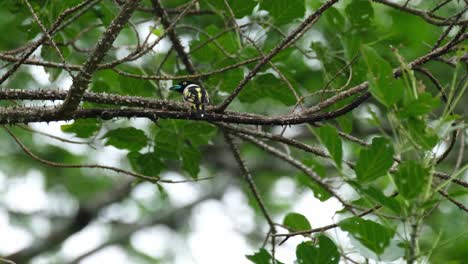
(200, 110)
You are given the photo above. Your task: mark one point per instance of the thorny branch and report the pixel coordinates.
(82, 79)
(252, 186)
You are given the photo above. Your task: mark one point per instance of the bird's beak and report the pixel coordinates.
(175, 87)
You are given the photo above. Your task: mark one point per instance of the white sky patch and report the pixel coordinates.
(185, 41)
(284, 188)
(236, 207)
(10, 233)
(214, 237)
(85, 240)
(154, 241)
(144, 191)
(180, 194)
(289, 131)
(439, 149)
(126, 212)
(39, 74)
(64, 82)
(60, 202)
(362, 113)
(3, 181)
(144, 29)
(40, 226)
(26, 194)
(318, 213)
(53, 128)
(112, 254)
(109, 155)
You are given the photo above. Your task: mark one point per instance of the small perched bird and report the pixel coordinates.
(194, 95)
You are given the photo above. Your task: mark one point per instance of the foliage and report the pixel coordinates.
(360, 103)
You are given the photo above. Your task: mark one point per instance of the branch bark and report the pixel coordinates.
(82, 79)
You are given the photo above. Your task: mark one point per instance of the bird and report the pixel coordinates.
(194, 95)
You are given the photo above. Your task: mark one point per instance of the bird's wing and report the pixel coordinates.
(191, 95)
(206, 97)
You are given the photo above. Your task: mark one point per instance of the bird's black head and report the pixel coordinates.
(181, 86)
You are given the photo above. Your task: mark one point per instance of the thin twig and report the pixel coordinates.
(46, 33)
(248, 178)
(299, 165)
(153, 179)
(288, 40)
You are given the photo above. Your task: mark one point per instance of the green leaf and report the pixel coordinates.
(376, 195)
(267, 86)
(335, 19)
(210, 52)
(106, 81)
(50, 54)
(199, 133)
(374, 236)
(105, 13)
(191, 158)
(374, 161)
(329, 137)
(423, 135)
(317, 166)
(351, 43)
(318, 191)
(411, 179)
(167, 144)
(173, 3)
(261, 257)
(126, 138)
(296, 222)
(181, 140)
(14, 20)
(382, 85)
(147, 164)
(158, 31)
(227, 81)
(423, 105)
(346, 123)
(241, 8)
(360, 13)
(325, 252)
(284, 12)
(134, 86)
(83, 128)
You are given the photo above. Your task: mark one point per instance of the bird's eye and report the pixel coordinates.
(184, 83)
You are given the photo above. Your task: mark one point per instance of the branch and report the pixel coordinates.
(455, 202)
(299, 165)
(44, 31)
(310, 20)
(152, 179)
(15, 115)
(277, 138)
(80, 84)
(111, 66)
(426, 15)
(327, 227)
(37, 43)
(248, 178)
(27, 128)
(435, 53)
(159, 10)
